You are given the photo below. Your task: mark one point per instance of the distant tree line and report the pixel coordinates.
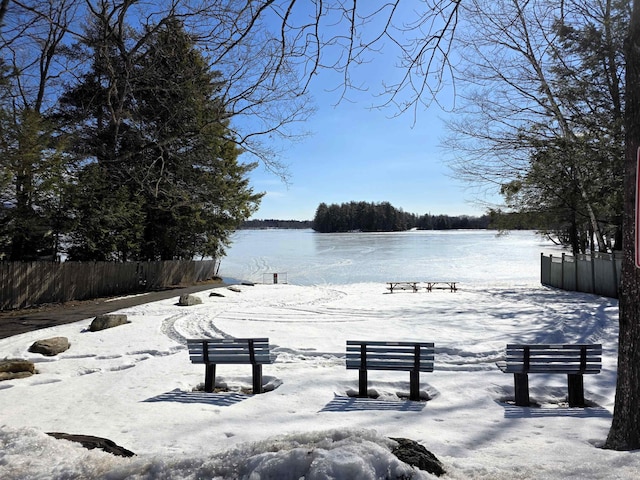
(271, 223)
(384, 217)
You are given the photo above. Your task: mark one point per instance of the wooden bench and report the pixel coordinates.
(402, 286)
(216, 351)
(451, 286)
(413, 357)
(572, 360)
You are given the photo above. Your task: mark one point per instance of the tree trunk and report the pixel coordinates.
(625, 428)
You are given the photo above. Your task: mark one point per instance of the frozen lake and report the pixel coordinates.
(304, 257)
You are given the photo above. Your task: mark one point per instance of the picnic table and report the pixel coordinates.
(415, 286)
(451, 286)
(402, 286)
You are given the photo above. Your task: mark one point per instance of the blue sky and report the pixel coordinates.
(358, 154)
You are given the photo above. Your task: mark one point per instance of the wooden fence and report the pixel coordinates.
(28, 284)
(598, 273)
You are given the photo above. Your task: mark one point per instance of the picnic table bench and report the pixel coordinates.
(216, 351)
(451, 286)
(572, 360)
(402, 286)
(414, 357)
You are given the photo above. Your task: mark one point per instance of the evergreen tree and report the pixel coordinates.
(153, 120)
(34, 176)
(194, 187)
(108, 221)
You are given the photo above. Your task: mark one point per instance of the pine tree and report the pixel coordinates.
(152, 118)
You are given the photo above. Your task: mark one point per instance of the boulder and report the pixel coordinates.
(102, 322)
(187, 300)
(13, 368)
(414, 454)
(91, 442)
(50, 347)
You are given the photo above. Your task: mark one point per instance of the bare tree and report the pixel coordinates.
(270, 51)
(524, 91)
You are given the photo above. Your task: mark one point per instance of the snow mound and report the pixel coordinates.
(322, 455)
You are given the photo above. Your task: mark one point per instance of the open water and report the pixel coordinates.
(304, 257)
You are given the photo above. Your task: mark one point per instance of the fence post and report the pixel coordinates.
(615, 274)
(593, 273)
(562, 271)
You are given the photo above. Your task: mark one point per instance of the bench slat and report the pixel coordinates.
(389, 344)
(408, 350)
(423, 352)
(553, 351)
(229, 353)
(535, 357)
(239, 358)
(560, 347)
(228, 342)
(404, 366)
(228, 348)
(424, 357)
(551, 369)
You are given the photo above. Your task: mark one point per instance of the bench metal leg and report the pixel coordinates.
(362, 383)
(414, 385)
(257, 378)
(521, 385)
(576, 389)
(209, 377)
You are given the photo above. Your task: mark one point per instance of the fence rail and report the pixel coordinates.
(28, 284)
(598, 273)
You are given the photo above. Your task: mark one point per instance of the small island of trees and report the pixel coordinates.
(384, 217)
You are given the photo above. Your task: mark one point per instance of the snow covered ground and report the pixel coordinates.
(134, 384)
